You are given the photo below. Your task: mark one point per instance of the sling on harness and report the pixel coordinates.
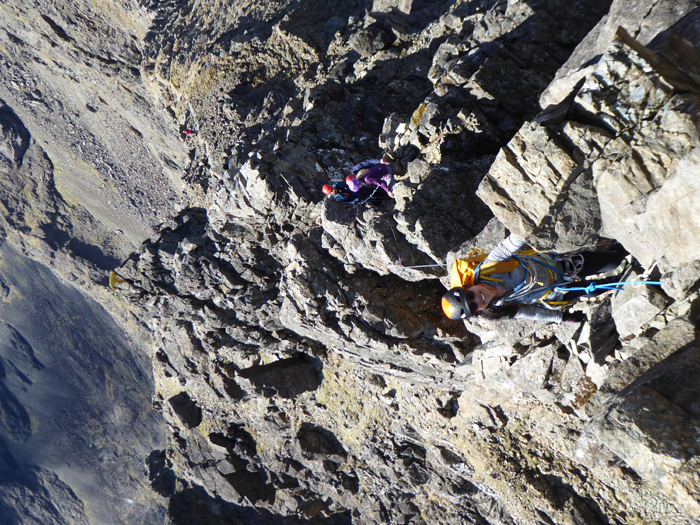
(543, 276)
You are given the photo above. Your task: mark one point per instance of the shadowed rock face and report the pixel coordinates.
(298, 350)
(76, 411)
(186, 410)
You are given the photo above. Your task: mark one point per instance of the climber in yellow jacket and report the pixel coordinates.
(511, 283)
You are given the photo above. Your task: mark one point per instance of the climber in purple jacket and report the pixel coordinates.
(371, 171)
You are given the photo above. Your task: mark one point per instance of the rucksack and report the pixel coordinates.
(463, 270)
(542, 272)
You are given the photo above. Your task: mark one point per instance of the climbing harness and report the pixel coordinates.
(538, 267)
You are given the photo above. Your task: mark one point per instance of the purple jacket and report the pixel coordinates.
(379, 174)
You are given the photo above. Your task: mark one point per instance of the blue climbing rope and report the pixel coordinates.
(605, 286)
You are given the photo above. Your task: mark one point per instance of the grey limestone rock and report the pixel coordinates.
(371, 40)
(299, 355)
(616, 185)
(671, 339)
(683, 280)
(652, 425)
(646, 21)
(635, 307)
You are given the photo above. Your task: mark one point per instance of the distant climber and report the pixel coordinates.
(371, 172)
(341, 193)
(510, 283)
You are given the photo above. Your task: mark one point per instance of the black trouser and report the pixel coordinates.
(594, 263)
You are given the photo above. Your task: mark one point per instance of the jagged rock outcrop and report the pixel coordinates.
(635, 175)
(651, 23)
(629, 138)
(299, 355)
(253, 285)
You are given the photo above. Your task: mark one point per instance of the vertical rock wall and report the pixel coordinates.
(303, 368)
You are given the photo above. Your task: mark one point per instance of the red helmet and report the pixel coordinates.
(327, 189)
(348, 179)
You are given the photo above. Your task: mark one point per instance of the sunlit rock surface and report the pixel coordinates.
(299, 356)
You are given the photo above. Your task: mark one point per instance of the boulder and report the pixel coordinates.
(561, 184)
(675, 336)
(682, 281)
(533, 171)
(671, 216)
(634, 307)
(530, 372)
(441, 212)
(653, 425)
(371, 40)
(645, 20)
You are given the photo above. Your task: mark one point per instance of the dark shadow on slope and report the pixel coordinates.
(186, 410)
(160, 475)
(14, 418)
(10, 470)
(20, 345)
(318, 441)
(581, 508)
(677, 379)
(286, 377)
(246, 477)
(55, 236)
(680, 44)
(93, 254)
(14, 136)
(193, 506)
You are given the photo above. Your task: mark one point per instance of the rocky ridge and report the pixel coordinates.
(314, 361)
(300, 361)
